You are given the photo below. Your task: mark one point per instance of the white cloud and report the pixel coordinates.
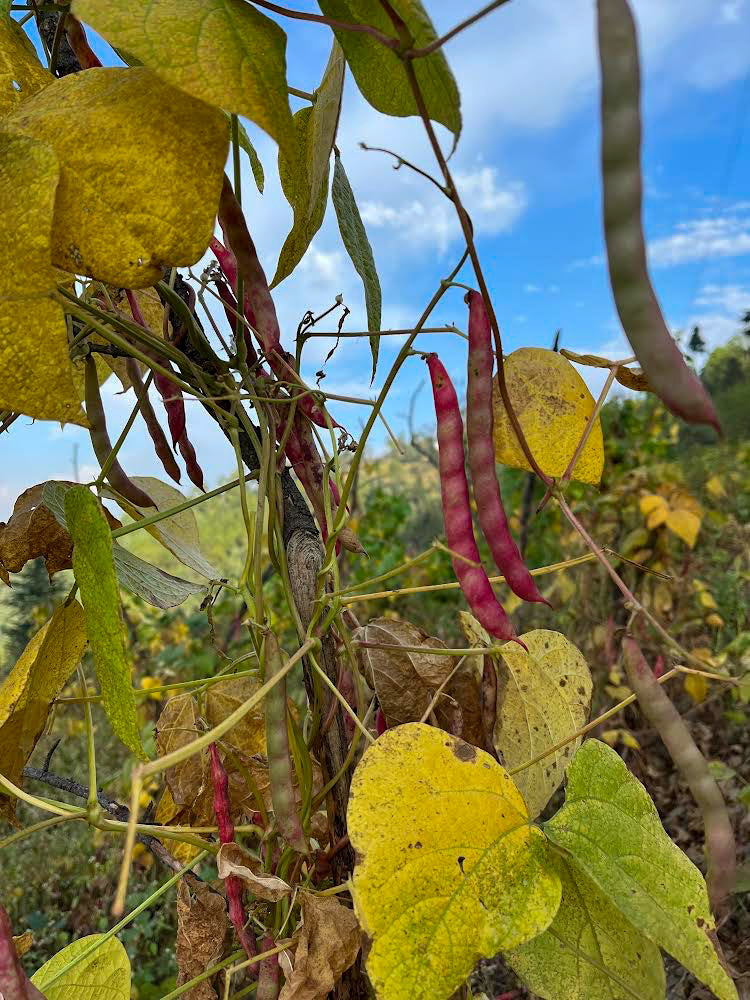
(531, 289)
(702, 239)
(431, 218)
(733, 299)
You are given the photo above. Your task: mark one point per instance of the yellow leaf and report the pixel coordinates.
(23, 943)
(629, 740)
(35, 372)
(685, 525)
(21, 73)
(140, 174)
(553, 405)
(657, 517)
(715, 621)
(543, 696)
(706, 600)
(449, 866)
(104, 974)
(715, 487)
(224, 52)
(697, 687)
(28, 691)
(651, 502)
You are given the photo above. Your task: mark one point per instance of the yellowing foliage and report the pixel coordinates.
(21, 73)
(34, 380)
(129, 202)
(553, 405)
(102, 974)
(450, 868)
(679, 512)
(28, 691)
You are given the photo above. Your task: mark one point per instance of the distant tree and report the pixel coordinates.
(27, 606)
(696, 343)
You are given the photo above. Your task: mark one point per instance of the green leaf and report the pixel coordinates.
(590, 951)
(149, 582)
(36, 382)
(611, 828)
(358, 247)
(378, 71)
(102, 975)
(95, 575)
(304, 180)
(27, 693)
(255, 165)
(543, 697)
(224, 52)
(140, 174)
(449, 867)
(21, 73)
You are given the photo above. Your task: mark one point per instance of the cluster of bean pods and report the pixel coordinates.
(454, 486)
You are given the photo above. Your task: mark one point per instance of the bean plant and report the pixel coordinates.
(376, 840)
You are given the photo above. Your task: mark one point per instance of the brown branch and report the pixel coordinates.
(115, 809)
(692, 765)
(299, 15)
(461, 26)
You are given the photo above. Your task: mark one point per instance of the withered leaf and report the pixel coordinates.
(176, 727)
(633, 378)
(327, 945)
(404, 681)
(202, 925)
(33, 531)
(249, 735)
(233, 860)
(23, 943)
(13, 980)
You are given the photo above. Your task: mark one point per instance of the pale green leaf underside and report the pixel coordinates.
(354, 238)
(590, 951)
(611, 828)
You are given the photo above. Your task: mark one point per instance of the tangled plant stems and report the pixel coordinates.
(479, 419)
(111, 468)
(454, 490)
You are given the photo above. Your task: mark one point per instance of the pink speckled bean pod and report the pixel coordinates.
(459, 530)
(233, 883)
(479, 418)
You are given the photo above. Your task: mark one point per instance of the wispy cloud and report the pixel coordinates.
(702, 239)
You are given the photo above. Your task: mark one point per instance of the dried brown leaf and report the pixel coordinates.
(327, 946)
(633, 378)
(249, 735)
(23, 943)
(233, 860)
(33, 531)
(404, 682)
(176, 727)
(202, 925)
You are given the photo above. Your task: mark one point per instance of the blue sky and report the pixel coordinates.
(527, 163)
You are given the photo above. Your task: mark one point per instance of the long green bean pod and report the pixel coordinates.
(101, 443)
(277, 744)
(638, 308)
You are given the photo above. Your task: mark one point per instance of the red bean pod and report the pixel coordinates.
(193, 469)
(269, 980)
(454, 489)
(233, 883)
(479, 419)
(161, 445)
(101, 443)
(622, 189)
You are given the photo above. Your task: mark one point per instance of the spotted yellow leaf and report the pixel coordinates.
(140, 174)
(101, 970)
(224, 52)
(36, 376)
(684, 524)
(553, 405)
(543, 697)
(21, 73)
(449, 866)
